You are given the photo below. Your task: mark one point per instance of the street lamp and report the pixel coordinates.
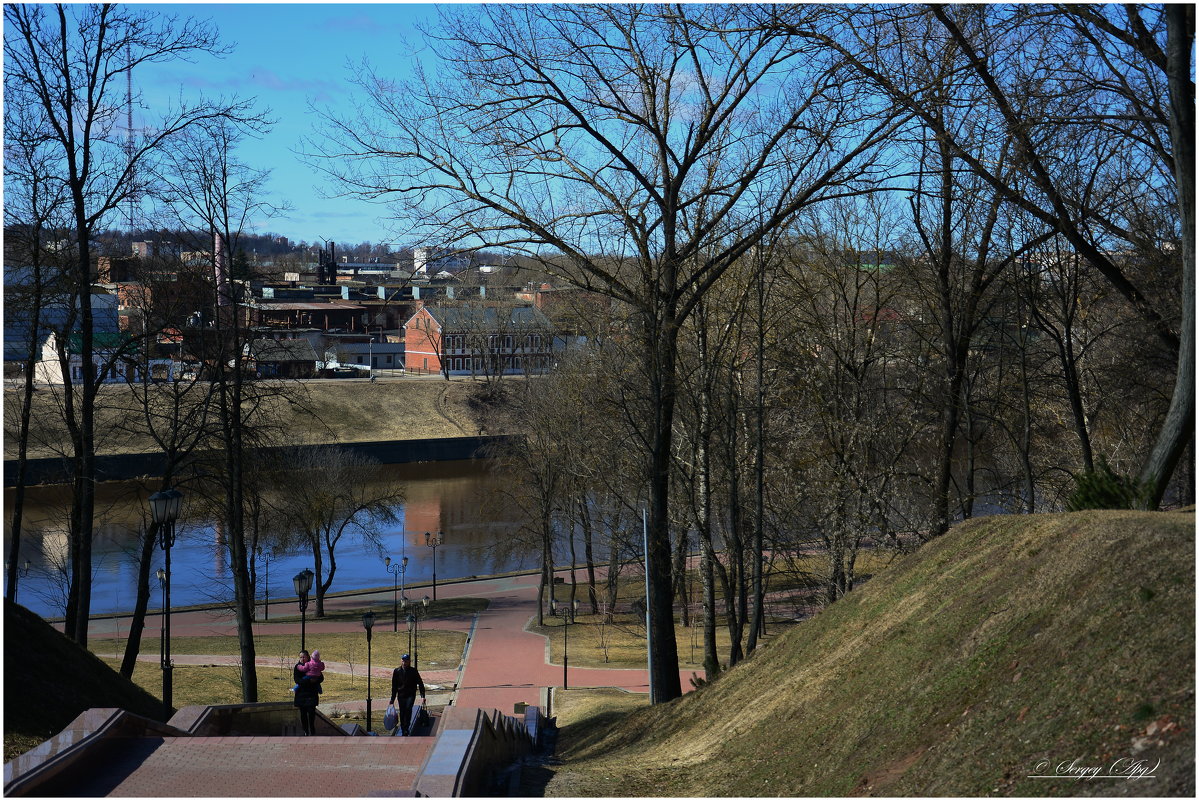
(368, 623)
(414, 629)
(302, 582)
(267, 556)
(164, 511)
(162, 640)
(397, 569)
(566, 621)
(434, 542)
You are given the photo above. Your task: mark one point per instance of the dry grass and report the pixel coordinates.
(438, 649)
(324, 411)
(619, 642)
(221, 684)
(585, 709)
(1009, 641)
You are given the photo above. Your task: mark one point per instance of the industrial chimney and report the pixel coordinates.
(220, 264)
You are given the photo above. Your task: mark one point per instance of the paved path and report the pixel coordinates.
(504, 665)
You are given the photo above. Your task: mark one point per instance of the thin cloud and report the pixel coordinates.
(356, 23)
(257, 79)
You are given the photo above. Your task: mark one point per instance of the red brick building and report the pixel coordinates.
(478, 340)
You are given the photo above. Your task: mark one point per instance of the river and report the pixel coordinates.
(465, 500)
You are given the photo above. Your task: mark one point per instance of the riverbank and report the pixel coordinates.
(290, 603)
(329, 410)
(133, 466)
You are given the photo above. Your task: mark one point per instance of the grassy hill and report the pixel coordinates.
(49, 681)
(1006, 648)
(318, 411)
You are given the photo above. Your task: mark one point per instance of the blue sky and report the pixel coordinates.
(289, 56)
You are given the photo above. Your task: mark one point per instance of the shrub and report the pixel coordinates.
(1104, 488)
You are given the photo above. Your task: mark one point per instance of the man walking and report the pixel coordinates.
(404, 681)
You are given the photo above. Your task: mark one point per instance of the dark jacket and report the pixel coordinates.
(309, 692)
(405, 681)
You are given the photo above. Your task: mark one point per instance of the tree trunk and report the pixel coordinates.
(1065, 346)
(18, 504)
(680, 577)
(736, 589)
(1179, 426)
(233, 423)
(704, 525)
(707, 557)
(588, 554)
(1030, 486)
(83, 507)
(758, 621)
(665, 660)
(137, 623)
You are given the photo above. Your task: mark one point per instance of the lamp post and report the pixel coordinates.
(368, 623)
(395, 570)
(414, 630)
(568, 617)
(434, 542)
(302, 582)
(164, 511)
(162, 640)
(267, 556)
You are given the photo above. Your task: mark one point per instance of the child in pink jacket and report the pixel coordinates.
(313, 670)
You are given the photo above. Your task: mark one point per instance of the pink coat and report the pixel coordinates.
(314, 668)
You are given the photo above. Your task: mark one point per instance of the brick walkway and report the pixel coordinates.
(297, 767)
(505, 664)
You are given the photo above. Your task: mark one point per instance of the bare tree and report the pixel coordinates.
(34, 206)
(1121, 111)
(328, 493)
(629, 143)
(71, 62)
(176, 413)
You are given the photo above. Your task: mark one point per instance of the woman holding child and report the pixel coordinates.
(307, 690)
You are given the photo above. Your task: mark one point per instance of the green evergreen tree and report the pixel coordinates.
(1104, 488)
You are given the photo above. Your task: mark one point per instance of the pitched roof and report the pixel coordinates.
(283, 350)
(103, 340)
(487, 318)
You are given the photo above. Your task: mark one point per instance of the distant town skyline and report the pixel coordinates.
(291, 57)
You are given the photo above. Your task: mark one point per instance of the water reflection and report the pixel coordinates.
(464, 500)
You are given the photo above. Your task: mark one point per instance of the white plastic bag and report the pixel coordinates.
(391, 717)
